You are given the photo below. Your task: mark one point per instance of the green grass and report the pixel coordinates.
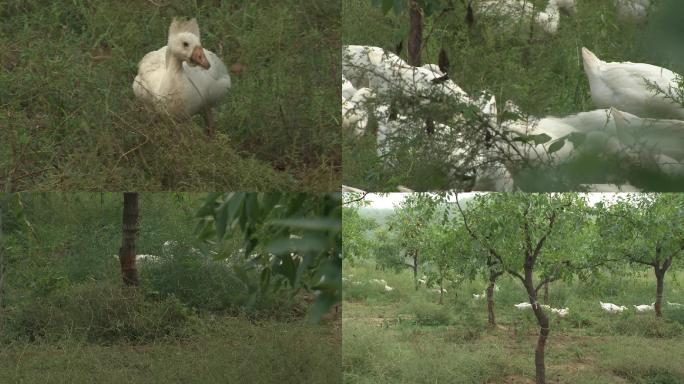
(222, 350)
(70, 120)
(543, 75)
(65, 316)
(385, 340)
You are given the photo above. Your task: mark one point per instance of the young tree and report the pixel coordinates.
(523, 233)
(355, 230)
(129, 271)
(444, 248)
(645, 229)
(409, 221)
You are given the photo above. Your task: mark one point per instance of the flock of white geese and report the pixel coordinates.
(636, 118)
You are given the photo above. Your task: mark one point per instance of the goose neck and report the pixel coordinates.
(173, 63)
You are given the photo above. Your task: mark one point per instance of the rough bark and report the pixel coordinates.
(543, 321)
(660, 284)
(129, 271)
(415, 38)
(491, 318)
(415, 270)
(441, 290)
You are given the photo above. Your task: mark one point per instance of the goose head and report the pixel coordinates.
(184, 43)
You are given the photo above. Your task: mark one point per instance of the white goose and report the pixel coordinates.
(612, 308)
(644, 307)
(521, 10)
(632, 11)
(625, 86)
(659, 142)
(549, 18)
(182, 79)
(598, 126)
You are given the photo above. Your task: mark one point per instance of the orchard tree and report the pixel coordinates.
(524, 234)
(479, 259)
(355, 231)
(647, 230)
(445, 247)
(408, 222)
(295, 238)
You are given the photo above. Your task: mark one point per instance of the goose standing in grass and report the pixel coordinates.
(182, 79)
(523, 306)
(629, 87)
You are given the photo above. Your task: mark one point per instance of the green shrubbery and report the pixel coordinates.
(103, 312)
(428, 313)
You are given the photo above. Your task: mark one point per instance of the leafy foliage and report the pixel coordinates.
(294, 237)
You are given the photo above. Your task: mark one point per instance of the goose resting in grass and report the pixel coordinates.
(182, 79)
(656, 141)
(625, 86)
(632, 11)
(514, 11)
(612, 308)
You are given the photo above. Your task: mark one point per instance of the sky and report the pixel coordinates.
(388, 201)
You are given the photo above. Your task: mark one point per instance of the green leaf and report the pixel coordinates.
(316, 224)
(325, 301)
(556, 146)
(541, 138)
(387, 5)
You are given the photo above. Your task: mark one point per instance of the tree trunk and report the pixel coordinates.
(441, 291)
(415, 38)
(660, 282)
(540, 367)
(542, 320)
(415, 270)
(129, 234)
(491, 318)
(546, 293)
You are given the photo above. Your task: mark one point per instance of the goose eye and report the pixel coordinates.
(185, 44)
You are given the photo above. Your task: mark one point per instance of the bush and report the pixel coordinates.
(428, 313)
(646, 326)
(212, 285)
(101, 312)
(195, 280)
(676, 315)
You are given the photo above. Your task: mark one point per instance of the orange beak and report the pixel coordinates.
(198, 57)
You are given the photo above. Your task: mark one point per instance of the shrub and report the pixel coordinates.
(102, 312)
(428, 313)
(212, 285)
(195, 280)
(646, 326)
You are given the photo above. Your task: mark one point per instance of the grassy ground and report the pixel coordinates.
(70, 120)
(223, 350)
(406, 337)
(542, 74)
(66, 318)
